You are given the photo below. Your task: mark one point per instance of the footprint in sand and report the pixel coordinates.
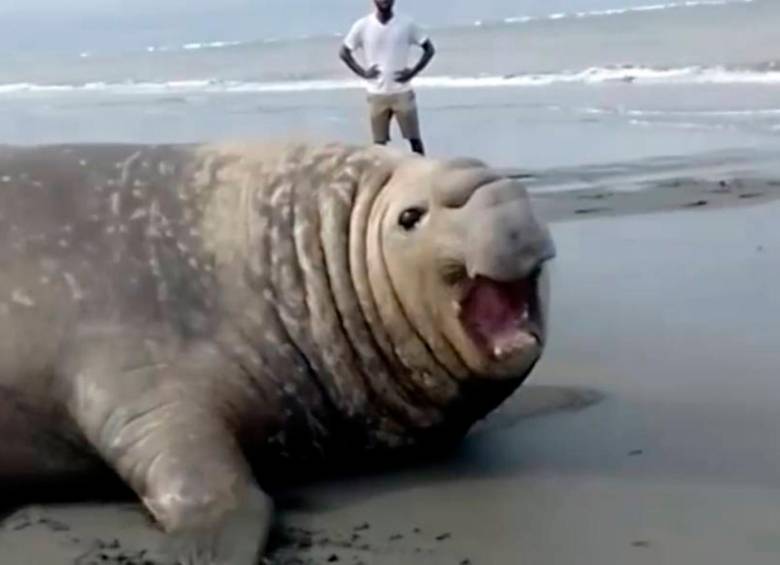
(112, 553)
(582, 211)
(595, 196)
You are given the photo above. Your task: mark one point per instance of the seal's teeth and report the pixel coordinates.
(498, 352)
(456, 306)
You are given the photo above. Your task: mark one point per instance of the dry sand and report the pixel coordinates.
(648, 434)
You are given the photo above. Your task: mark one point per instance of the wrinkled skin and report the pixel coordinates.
(192, 318)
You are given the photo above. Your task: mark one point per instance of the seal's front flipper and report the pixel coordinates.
(239, 538)
(184, 462)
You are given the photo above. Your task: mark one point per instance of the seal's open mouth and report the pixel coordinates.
(500, 316)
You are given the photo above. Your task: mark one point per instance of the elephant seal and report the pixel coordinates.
(190, 317)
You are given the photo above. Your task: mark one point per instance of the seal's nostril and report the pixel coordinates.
(461, 186)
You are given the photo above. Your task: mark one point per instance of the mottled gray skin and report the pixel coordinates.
(190, 317)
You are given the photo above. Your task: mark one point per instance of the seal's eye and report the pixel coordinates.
(410, 218)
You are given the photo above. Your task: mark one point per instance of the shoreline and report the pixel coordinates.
(651, 186)
(660, 197)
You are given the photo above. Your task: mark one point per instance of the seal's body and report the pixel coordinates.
(175, 313)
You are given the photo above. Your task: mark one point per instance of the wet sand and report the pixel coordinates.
(648, 433)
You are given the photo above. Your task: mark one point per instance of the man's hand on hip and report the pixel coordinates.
(371, 72)
(404, 75)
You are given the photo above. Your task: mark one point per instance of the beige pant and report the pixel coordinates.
(403, 106)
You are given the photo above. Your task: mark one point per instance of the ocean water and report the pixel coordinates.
(520, 83)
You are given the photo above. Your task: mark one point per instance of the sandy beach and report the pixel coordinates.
(646, 435)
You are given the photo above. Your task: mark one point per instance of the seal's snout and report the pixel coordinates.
(504, 239)
(504, 254)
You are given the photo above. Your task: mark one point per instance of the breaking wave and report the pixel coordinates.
(594, 76)
(621, 11)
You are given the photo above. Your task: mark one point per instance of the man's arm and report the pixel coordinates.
(429, 51)
(346, 55)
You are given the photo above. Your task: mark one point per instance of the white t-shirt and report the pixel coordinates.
(387, 47)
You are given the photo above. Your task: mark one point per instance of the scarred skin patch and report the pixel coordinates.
(201, 319)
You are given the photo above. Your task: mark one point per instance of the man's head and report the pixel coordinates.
(384, 6)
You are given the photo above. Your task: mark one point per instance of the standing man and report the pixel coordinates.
(385, 38)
